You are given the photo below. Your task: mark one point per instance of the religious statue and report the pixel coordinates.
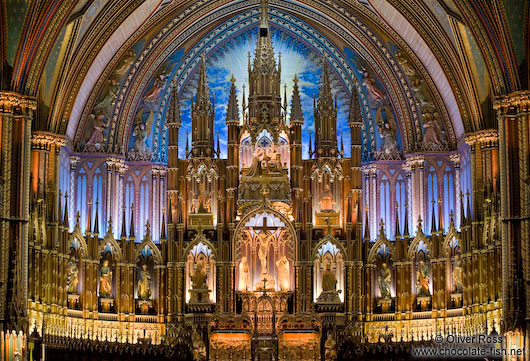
(374, 93)
(408, 69)
(387, 130)
(198, 347)
(244, 277)
(283, 273)
(97, 138)
(105, 280)
(422, 279)
(144, 287)
(329, 281)
(153, 94)
(140, 135)
(457, 275)
(274, 163)
(326, 201)
(126, 63)
(330, 349)
(110, 98)
(264, 241)
(198, 279)
(385, 277)
(202, 203)
(433, 132)
(72, 276)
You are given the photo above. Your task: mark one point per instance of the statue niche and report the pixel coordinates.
(326, 192)
(423, 276)
(200, 277)
(265, 255)
(73, 277)
(145, 281)
(201, 200)
(105, 280)
(264, 169)
(329, 274)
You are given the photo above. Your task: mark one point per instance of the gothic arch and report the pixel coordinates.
(264, 208)
(148, 242)
(200, 238)
(329, 238)
(115, 247)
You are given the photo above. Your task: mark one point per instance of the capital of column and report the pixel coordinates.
(486, 137)
(44, 140)
(516, 99)
(455, 159)
(369, 170)
(414, 161)
(159, 170)
(10, 101)
(114, 163)
(74, 161)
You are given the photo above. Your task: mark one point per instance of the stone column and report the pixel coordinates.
(513, 113)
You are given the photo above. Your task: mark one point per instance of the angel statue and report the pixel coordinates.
(97, 138)
(433, 132)
(375, 94)
(405, 64)
(153, 94)
(387, 130)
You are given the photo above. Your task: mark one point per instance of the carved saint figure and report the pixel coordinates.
(198, 346)
(99, 124)
(329, 281)
(385, 277)
(422, 279)
(203, 202)
(126, 63)
(263, 250)
(198, 279)
(105, 280)
(457, 275)
(408, 69)
(387, 130)
(110, 98)
(72, 274)
(152, 95)
(273, 158)
(283, 273)
(144, 287)
(326, 201)
(140, 133)
(244, 277)
(376, 94)
(330, 349)
(433, 132)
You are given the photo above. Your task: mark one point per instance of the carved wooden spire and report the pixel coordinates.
(296, 104)
(202, 117)
(325, 114)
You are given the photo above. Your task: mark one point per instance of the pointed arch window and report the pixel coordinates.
(432, 196)
(449, 196)
(401, 200)
(97, 195)
(129, 199)
(385, 203)
(144, 209)
(81, 198)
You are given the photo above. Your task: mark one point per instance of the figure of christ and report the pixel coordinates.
(263, 250)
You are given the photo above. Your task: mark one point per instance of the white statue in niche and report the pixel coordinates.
(283, 273)
(244, 276)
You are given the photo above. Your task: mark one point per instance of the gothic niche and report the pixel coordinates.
(327, 194)
(455, 278)
(200, 277)
(264, 260)
(106, 279)
(329, 275)
(73, 276)
(384, 277)
(202, 196)
(145, 281)
(422, 275)
(264, 168)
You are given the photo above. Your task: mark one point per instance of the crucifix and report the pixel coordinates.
(264, 238)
